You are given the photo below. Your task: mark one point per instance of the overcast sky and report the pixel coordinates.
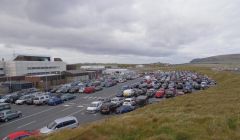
(122, 31)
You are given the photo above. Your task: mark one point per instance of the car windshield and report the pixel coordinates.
(127, 101)
(52, 125)
(36, 98)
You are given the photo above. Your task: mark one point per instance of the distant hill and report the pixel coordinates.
(220, 59)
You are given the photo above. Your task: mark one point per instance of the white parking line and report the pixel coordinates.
(76, 112)
(80, 106)
(66, 109)
(26, 124)
(66, 105)
(29, 116)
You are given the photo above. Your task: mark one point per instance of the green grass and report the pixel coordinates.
(212, 114)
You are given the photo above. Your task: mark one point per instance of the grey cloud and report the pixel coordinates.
(151, 28)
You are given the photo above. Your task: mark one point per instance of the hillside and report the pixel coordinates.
(220, 59)
(211, 114)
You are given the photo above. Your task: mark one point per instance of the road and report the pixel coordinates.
(36, 117)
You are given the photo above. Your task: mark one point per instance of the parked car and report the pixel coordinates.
(4, 106)
(66, 97)
(129, 102)
(170, 93)
(107, 108)
(19, 135)
(55, 101)
(104, 100)
(160, 93)
(124, 109)
(128, 93)
(94, 107)
(7, 115)
(4, 98)
(59, 124)
(23, 99)
(150, 93)
(117, 100)
(141, 100)
(89, 90)
(29, 101)
(98, 88)
(41, 99)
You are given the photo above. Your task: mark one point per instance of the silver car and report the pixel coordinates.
(7, 115)
(59, 124)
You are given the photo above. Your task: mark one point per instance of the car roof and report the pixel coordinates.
(96, 102)
(59, 120)
(18, 133)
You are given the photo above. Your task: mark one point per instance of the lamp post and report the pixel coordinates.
(46, 83)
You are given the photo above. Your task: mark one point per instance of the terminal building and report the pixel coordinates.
(23, 65)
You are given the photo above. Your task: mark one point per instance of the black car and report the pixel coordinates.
(108, 108)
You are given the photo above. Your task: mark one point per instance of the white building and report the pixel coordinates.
(33, 65)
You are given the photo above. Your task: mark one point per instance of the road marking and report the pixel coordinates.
(29, 116)
(26, 124)
(66, 105)
(66, 109)
(72, 103)
(76, 112)
(80, 106)
(85, 97)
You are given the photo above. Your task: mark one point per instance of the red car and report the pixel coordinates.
(89, 90)
(160, 93)
(19, 135)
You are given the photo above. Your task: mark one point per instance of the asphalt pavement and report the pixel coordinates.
(36, 117)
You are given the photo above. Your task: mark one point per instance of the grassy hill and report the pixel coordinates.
(212, 114)
(220, 59)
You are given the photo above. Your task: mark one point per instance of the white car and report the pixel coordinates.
(94, 107)
(41, 99)
(129, 102)
(22, 99)
(116, 100)
(59, 124)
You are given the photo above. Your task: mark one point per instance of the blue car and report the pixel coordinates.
(55, 101)
(124, 109)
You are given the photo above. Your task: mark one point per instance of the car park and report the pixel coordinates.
(69, 122)
(94, 107)
(7, 115)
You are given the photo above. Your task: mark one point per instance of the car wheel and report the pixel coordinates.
(6, 120)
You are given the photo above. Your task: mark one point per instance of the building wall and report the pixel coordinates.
(2, 68)
(77, 78)
(18, 68)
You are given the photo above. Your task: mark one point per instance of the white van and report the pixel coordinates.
(59, 124)
(41, 99)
